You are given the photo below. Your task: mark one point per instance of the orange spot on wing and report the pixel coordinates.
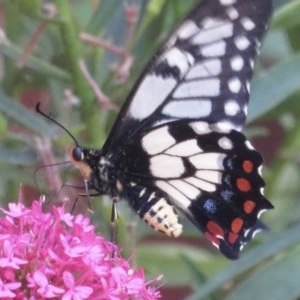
(236, 225)
(212, 239)
(243, 184)
(232, 237)
(249, 206)
(248, 166)
(214, 228)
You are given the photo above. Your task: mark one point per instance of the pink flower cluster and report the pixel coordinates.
(58, 256)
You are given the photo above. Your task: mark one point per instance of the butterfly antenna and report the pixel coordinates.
(38, 110)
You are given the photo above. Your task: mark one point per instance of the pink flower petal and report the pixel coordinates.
(57, 255)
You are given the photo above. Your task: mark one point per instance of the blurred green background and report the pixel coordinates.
(40, 48)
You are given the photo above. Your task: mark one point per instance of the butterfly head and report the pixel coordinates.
(79, 158)
(92, 166)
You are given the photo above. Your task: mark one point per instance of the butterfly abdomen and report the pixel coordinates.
(154, 208)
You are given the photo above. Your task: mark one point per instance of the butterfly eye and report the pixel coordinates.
(77, 154)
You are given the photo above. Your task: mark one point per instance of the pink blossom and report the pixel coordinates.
(75, 292)
(56, 255)
(7, 288)
(43, 287)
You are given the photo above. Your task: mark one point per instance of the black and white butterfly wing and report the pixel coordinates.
(211, 176)
(202, 72)
(177, 146)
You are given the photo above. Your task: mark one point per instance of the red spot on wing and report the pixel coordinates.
(232, 237)
(214, 228)
(249, 206)
(236, 225)
(212, 239)
(243, 184)
(248, 166)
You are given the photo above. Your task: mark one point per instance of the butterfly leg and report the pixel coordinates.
(113, 222)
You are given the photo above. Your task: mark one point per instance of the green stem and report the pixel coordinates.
(74, 53)
(73, 50)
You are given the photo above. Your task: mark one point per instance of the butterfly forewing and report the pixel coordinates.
(176, 145)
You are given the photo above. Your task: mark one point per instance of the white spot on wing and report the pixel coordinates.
(232, 13)
(260, 213)
(200, 127)
(198, 88)
(151, 93)
(248, 86)
(237, 63)
(247, 23)
(231, 107)
(234, 84)
(188, 108)
(259, 170)
(249, 145)
(208, 161)
(180, 199)
(225, 126)
(213, 34)
(251, 62)
(142, 192)
(157, 140)
(207, 68)
(165, 166)
(214, 50)
(225, 143)
(184, 149)
(245, 109)
(227, 2)
(241, 42)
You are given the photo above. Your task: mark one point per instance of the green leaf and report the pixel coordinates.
(287, 16)
(25, 117)
(103, 15)
(280, 280)
(166, 258)
(3, 125)
(14, 174)
(17, 157)
(32, 7)
(272, 88)
(40, 66)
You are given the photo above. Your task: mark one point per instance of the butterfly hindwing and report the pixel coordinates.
(211, 177)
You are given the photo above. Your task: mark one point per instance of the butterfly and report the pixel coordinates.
(176, 146)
